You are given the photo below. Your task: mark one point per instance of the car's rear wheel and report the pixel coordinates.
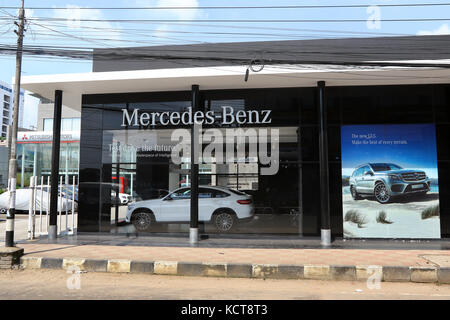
(3, 210)
(381, 193)
(143, 220)
(355, 194)
(224, 220)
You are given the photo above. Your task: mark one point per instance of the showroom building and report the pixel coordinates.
(356, 138)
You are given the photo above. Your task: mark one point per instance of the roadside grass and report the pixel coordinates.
(430, 212)
(382, 218)
(356, 217)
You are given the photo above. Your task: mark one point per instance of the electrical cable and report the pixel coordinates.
(240, 20)
(237, 7)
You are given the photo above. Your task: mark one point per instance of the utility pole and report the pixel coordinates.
(9, 237)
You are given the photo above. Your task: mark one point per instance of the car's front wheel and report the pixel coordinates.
(142, 220)
(224, 220)
(3, 210)
(381, 193)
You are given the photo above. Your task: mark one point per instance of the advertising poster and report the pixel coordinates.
(390, 181)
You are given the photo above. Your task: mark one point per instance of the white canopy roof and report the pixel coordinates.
(227, 77)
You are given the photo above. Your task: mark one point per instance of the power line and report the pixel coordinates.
(224, 48)
(237, 20)
(238, 7)
(83, 54)
(68, 35)
(97, 39)
(351, 32)
(51, 36)
(91, 40)
(236, 27)
(294, 64)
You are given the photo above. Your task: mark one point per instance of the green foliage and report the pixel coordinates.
(430, 212)
(355, 217)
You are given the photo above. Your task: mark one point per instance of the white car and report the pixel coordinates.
(221, 206)
(123, 197)
(23, 197)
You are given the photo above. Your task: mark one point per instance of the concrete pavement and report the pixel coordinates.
(324, 264)
(266, 259)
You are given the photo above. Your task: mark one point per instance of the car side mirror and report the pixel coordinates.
(168, 198)
(368, 173)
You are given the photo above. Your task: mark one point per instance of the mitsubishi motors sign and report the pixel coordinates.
(47, 137)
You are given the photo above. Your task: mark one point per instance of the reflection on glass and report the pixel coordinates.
(137, 163)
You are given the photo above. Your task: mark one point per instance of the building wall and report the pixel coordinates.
(45, 111)
(7, 107)
(3, 165)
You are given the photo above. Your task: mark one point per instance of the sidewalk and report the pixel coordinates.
(20, 229)
(326, 264)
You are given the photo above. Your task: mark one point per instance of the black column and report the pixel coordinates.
(117, 199)
(54, 177)
(193, 234)
(325, 232)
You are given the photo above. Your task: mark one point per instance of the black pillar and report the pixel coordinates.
(193, 233)
(117, 189)
(54, 177)
(325, 232)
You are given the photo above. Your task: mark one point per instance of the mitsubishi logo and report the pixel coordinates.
(24, 137)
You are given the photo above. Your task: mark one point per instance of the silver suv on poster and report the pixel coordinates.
(386, 180)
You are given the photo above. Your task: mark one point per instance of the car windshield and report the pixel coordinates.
(384, 167)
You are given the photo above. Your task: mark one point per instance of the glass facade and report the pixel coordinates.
(34, 159)
(67, 124)
(122, 165)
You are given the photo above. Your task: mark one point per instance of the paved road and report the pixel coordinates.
(48, 284)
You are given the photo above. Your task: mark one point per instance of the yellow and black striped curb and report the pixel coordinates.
(244, 270)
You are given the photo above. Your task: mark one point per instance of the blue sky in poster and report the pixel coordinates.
(412, 146)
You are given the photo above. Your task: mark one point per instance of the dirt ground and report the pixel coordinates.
(49, 284)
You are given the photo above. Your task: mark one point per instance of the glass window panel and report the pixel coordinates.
(76, 124)
(66, 125)
(140, 161)
(48, 125)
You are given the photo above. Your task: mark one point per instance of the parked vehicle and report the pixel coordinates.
(222, 207)
(68, 192)
(23, 197)
(386, 180)
(123, 199)
(90, 192)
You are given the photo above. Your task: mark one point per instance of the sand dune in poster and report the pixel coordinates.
(403, 217)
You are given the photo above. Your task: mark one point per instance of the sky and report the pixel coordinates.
(75, 33)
